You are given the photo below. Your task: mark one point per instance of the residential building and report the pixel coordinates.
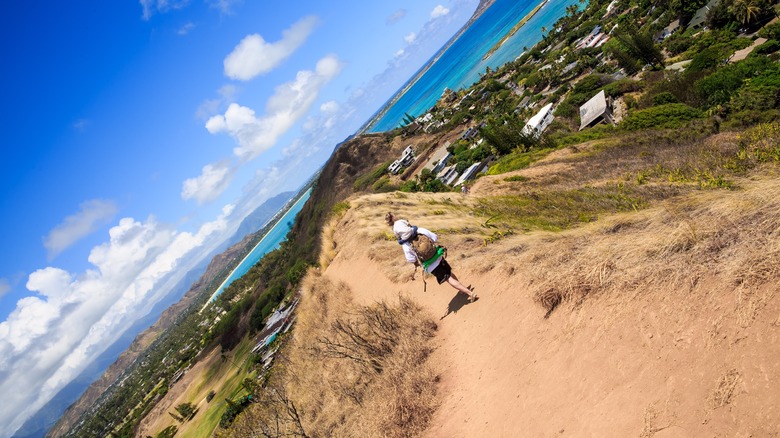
(540, 121)
(700, 17)
(598, 109)
(439, 159)
(448, 175)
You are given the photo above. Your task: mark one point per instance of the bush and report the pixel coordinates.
(770, 31)
(672, 115)
(768, 47)
(664, 98)
(718, 87)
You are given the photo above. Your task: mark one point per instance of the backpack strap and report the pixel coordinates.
(440, 250)
(414, 234)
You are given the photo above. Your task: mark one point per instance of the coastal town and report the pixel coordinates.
(654, 79)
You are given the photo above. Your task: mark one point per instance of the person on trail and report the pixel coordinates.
(436, 265)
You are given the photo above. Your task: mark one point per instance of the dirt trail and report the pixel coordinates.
(674, 360)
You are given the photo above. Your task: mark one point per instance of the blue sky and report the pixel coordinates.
(137, 136)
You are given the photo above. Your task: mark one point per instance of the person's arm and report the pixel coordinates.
(409, 253)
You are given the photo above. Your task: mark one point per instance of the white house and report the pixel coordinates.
(468, 173)
(598, 109)
(407, 158)
(540, 121)
(439, 159)
(448, 175)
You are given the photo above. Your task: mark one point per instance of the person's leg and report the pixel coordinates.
(453, 281)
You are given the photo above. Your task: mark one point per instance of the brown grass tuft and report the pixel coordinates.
(351, 371)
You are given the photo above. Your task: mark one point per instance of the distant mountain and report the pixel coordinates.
(82, 392)
(256, 219)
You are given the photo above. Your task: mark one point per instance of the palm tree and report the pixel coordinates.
(745, 11)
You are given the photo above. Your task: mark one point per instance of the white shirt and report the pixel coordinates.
(411, 257)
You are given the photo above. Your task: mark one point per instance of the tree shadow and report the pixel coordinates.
(459, 300)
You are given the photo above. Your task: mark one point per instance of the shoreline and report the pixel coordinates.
(514, 30)
(278, 221)
(481, 8)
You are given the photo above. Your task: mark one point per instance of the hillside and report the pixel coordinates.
(662, 321)
(627, 271)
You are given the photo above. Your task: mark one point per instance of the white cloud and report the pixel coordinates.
(439, 11)
(290, 102)
(209, 107)
(396, 16)
(254, 56)
(409, 39)
(329, 107)
(93, 214)
(49, 338)
(225, 6)
(81, 125)
(213, 180)
(5, 287)
(150, 7)
(184, 30)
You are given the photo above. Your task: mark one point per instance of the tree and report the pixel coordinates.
(638, 45)
(186, 410)
(746, 11)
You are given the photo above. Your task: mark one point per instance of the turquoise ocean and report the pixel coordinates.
(271, 241)
(460, 65)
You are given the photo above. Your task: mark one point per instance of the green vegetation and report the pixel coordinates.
(666, 116)
(558, 210)
(670, 115)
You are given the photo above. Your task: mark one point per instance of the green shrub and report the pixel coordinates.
(517, 160)
(672, 115)
(664, 98)
(768, 47)
(370, 178)
(770, 31)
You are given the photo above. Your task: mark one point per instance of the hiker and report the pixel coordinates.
(436, 265)
(464, 189)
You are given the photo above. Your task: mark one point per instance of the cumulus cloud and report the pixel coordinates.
(439, 11)
(254, 56)
(290, 102)
(213, 180)
(50, 337)
(209, 107)
(396, 16)
(93, 214)
(184, 30)
(409, 39)
(151, 7)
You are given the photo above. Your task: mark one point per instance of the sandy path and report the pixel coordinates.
(671, 364)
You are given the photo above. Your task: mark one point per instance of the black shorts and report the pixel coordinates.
(442, 271)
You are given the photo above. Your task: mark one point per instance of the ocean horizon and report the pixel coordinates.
(460, 63)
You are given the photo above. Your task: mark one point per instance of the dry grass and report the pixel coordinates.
(350, 370)
(724, 389)
(729, 235)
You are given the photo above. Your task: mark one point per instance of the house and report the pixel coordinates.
(525, 103)
(700, 17)
(469, 133)
(598, 109)
(407, 158)
(439, 159)
(448, 175)
(539, 122)
(667, 31)
(468, 173)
